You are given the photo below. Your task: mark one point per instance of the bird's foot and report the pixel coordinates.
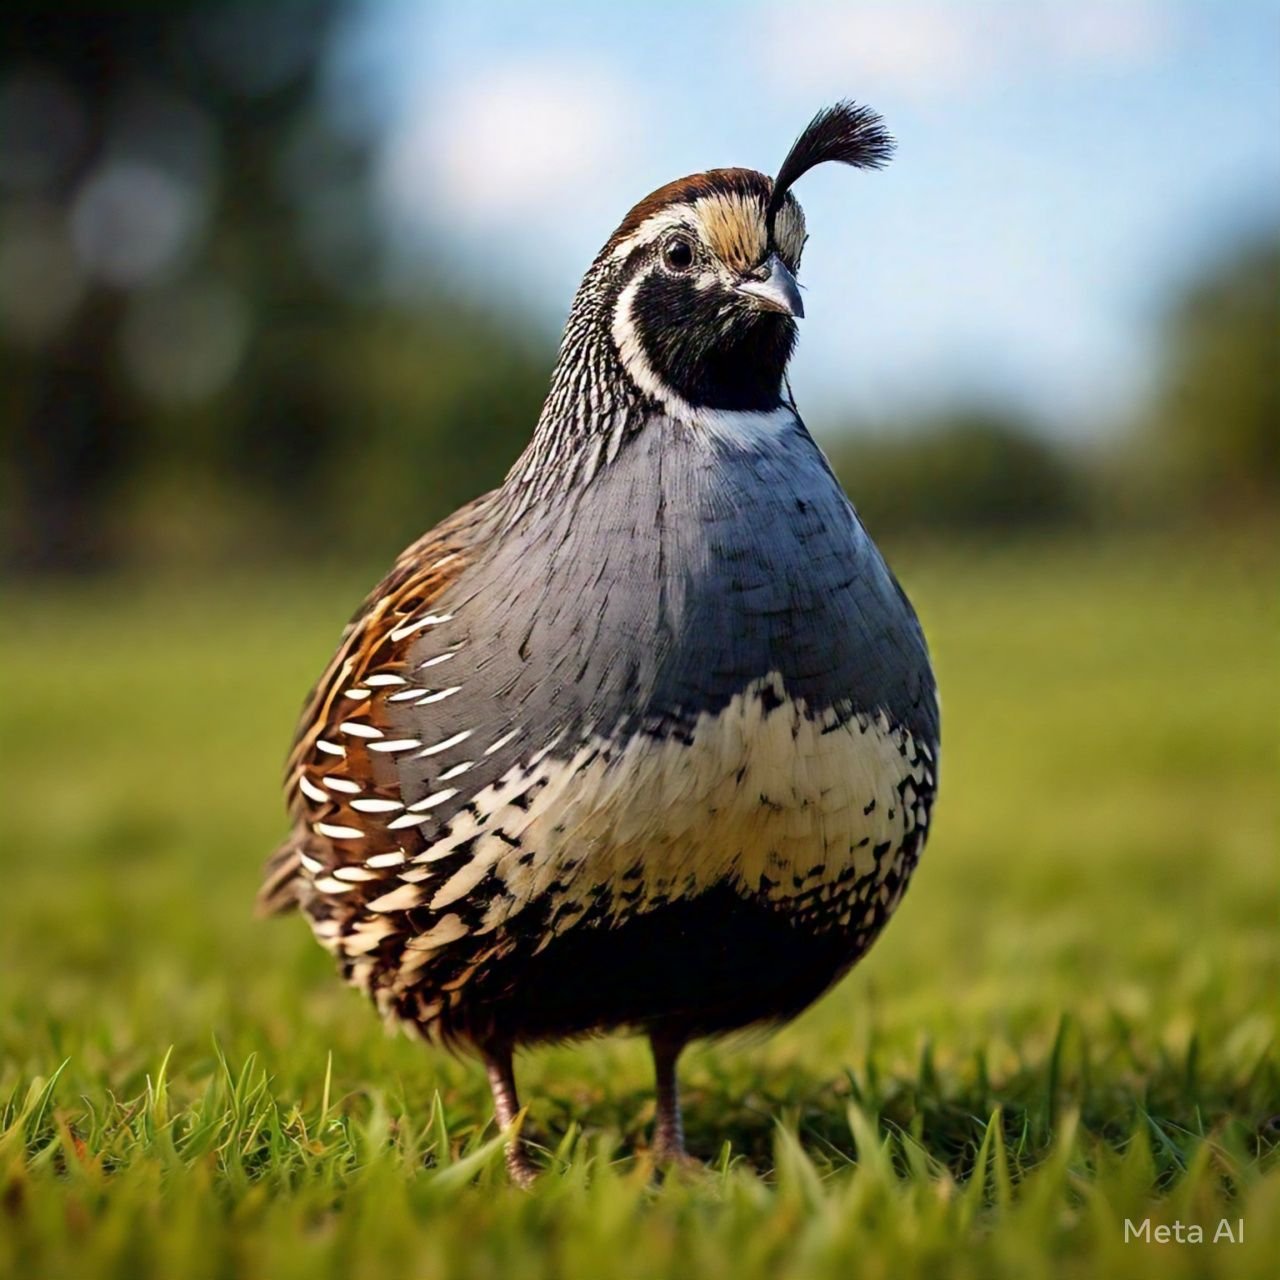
(520, 1168)
(672, 1158)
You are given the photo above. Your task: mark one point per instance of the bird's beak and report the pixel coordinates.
(774, 288)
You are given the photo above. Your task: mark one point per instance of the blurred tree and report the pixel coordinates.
(67, 437)
(138, 145)
(198, 356)
(975, 470)
(1216, 416)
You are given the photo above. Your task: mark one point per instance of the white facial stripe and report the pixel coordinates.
(631, 351)
(676, 217)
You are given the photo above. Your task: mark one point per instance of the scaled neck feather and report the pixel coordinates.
(603, 391)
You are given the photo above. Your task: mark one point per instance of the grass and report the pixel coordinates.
(1070, 1022)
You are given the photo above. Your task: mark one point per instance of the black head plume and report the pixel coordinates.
(846, 133)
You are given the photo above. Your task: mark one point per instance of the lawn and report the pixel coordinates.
(1069, 1023)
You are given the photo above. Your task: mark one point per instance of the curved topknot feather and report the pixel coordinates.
(846, 133)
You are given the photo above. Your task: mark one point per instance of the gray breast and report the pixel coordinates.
(691, 566)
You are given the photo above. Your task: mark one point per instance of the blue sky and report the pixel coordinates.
(1061, 166)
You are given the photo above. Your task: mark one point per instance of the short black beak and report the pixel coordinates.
(776, 291)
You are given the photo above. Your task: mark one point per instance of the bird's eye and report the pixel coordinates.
(677, 253)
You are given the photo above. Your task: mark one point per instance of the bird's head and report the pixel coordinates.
(699, 280)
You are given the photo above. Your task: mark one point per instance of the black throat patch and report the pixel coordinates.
(709, 349)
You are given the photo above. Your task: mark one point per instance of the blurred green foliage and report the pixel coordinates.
(1215, 423)
(972, 471)
(206, 355)
(202, 355)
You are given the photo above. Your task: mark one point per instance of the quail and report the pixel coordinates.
(645, 739)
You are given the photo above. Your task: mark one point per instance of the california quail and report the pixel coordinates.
(647, 737)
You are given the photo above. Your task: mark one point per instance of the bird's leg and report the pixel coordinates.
(506, 1106)
(668, 1127)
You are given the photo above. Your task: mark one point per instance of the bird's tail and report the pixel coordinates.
(279, 892)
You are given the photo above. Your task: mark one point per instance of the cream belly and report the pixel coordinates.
(776, 804)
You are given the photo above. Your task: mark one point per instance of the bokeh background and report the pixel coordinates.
(280, 286)
(284, 280)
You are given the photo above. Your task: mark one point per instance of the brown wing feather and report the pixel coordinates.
(369, 648)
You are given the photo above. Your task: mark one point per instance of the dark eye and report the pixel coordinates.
(677, 253)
